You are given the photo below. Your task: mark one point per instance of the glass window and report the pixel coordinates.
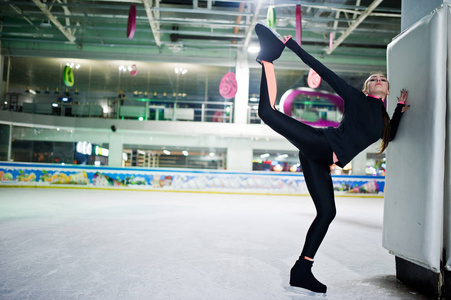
(4, 141)
(174, 157)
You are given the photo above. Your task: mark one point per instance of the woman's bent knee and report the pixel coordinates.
(327, 216)
(265, 114)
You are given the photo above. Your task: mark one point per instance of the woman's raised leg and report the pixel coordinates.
(311, 141)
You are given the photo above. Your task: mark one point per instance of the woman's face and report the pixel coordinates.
(378, 85)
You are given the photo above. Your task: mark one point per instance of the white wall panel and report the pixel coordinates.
(413, 213)
(447, 223)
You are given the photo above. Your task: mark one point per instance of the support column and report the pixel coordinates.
(359, 164)
(242, 95)
(239, 156)
(115, 148)
(2, 92)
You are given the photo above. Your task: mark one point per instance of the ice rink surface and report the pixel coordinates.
(103, 244)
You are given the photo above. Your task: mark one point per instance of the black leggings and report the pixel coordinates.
(315, 155)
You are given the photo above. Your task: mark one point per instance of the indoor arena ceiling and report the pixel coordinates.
(201, 32)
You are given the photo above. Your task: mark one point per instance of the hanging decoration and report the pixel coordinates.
(271, 17)
(298, 24)
(134, 70)
(228, 86)
(68, 76)
(131, 24)
(313, 79)
(331, 40)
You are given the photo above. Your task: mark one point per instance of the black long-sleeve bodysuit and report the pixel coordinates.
(361, 126)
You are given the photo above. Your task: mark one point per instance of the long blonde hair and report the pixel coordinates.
(386, 132)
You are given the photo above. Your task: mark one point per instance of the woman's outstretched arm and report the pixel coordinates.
(340, 86)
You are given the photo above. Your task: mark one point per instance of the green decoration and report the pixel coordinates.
(271, 17)
(68, 76)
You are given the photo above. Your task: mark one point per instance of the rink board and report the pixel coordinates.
(414, 195)
(46, 175)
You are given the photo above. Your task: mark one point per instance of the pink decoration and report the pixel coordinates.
(228, 86)
(134, 70)
(218, 116)
(331, 40)
(131, 24)
(288, 98)
(313, 79)
(298, 24)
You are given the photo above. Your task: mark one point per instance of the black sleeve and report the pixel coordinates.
(340, 86)
(395, 119)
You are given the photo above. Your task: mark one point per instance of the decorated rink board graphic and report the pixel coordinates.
(41, 175)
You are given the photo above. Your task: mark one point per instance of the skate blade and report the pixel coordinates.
(294, 290)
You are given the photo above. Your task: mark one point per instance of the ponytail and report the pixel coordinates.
(386, 133)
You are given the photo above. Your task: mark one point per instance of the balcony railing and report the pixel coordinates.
(136, 108)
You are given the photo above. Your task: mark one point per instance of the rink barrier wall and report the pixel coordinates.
(28, 175)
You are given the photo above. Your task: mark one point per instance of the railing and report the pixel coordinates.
(252, 114)
(135, 108)
(158, 110)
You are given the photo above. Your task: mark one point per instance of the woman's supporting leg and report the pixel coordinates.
(319, 183)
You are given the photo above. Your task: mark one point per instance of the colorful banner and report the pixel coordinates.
(23, 174)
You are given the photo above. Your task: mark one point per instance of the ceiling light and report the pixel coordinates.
(167, 152)
(253, 49)
(293, 168)
(181, 71)
(281, 156)
(265, 155)
(278, 168)
(184, 152)
(46, 24)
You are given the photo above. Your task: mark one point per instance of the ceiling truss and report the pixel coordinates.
(195, 27)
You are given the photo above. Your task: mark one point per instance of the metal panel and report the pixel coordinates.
(413, 213)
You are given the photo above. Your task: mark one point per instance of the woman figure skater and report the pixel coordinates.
(365, 121)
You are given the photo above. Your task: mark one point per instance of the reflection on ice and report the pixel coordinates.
(80, 244)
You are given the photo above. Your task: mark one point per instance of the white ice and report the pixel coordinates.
(99, 244)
